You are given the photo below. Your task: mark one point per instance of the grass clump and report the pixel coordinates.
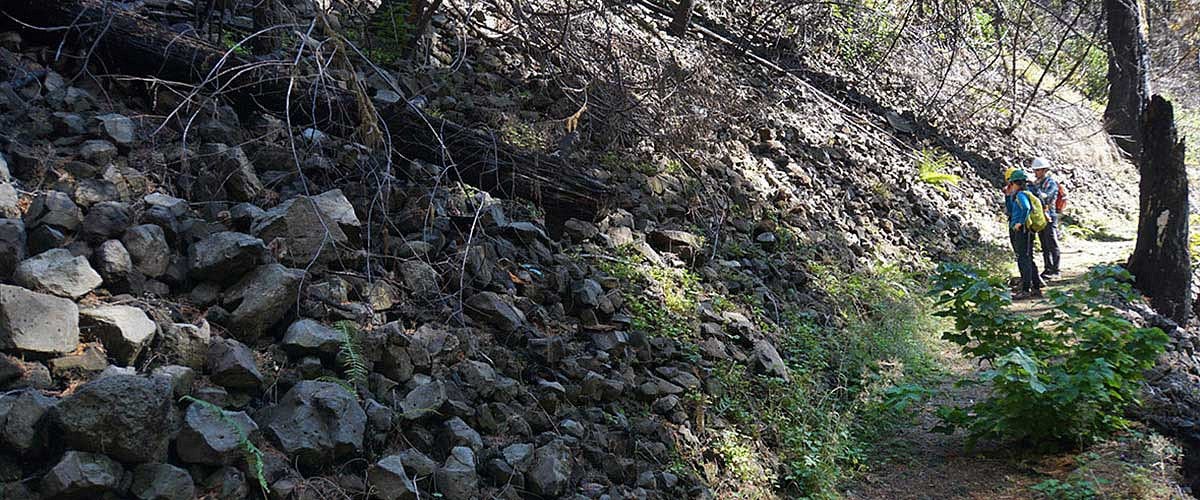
(1064, 378)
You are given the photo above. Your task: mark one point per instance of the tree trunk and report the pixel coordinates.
(136, 45)
(1161, 263)
(683, 17)
(1128, 73)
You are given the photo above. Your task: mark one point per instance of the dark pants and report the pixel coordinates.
(1050, 252)
(1022, 243)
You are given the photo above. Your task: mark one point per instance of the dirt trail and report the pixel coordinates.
(919, 464)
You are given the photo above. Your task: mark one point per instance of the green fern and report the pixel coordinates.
(931, 169)
(254, 456)
(350, 354)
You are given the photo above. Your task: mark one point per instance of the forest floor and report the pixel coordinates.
(916, 463)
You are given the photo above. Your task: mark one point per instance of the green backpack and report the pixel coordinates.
(1037, 214)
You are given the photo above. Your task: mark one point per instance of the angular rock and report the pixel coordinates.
(180, 377)
(389, 481)
(119, 128)
(126, 417)
(424, 399)
(58, 272)
(97, 151)
(53, 208)
(263, 298)
(231, 364)
(12, 246)
(311, 337)
(490, 308)
(9, 201)
(44, 238)
(162, 482)
(184, 343)
(82, 365)
(225, 257)
(37, 323)
(105, 220)
(116, 268)
(80, 475)
(550, 473)
(229, 170)
(768, 361)
(457, 479)
(89, 192)
(303, 230)
(147, 245)
(317, 423)
(22, 428)
(420, 278)
(124, 330)
(458, 433)
(212, 436)
(682, 243)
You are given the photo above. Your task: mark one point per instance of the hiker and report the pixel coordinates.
(1018, 202)
(1046, 189)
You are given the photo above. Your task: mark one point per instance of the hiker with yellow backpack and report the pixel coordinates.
(1026, 218)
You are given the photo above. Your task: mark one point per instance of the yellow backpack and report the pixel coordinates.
(1036, 221)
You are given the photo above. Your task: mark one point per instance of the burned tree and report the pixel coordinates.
(1161, 263)
(1128, 73)
(683, 17)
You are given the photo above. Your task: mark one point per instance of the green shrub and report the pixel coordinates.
(1063, 378)
(1065, 490)
(931, 169)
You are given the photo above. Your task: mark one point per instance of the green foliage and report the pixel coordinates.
(350, 353)
(931, 169)
(1063, 378)
(388, 33)
(232, 42)
(661, 300)
(1091, 75)
(254, 456)
(521, 135)
(1063, 490)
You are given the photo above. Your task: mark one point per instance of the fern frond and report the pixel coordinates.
(350, 354)
(254, 456)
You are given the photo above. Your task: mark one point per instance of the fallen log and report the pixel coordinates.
(132, 44)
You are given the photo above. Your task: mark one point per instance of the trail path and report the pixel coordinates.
(919, 464)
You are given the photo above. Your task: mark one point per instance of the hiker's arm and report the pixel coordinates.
(1021, 207)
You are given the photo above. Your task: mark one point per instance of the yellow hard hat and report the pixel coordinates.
(1008, 173)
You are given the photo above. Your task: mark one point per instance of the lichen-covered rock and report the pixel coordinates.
(58, 272)
(124, 330)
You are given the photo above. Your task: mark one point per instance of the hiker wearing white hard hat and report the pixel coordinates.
(1052, 196)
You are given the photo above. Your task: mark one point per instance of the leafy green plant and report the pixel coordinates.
(1063, 378)
(388, 33)
(350, 353)
(1065, 490)
(254, 456)
(931, 169)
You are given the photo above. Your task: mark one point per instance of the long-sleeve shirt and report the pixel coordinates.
(1017, 205)
(1047, 192)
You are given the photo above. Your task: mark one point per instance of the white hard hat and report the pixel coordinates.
(1040, 163)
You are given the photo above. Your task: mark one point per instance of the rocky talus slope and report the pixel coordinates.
(223, 306)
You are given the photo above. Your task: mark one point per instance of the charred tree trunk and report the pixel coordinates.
(135, 45)
(1128, 73)
(683, 17)
(1161, 263)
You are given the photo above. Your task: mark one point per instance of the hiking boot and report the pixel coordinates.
(1022, 295)
(1036, 293)
(1048, 275)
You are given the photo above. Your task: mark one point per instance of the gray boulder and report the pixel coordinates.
(105, 220)
(389, 480)
(231, 171)
(82, 475)
(162, 482)
(682, 243)
(37, 323)
(58, 272)
(53, 208)
(147, 245)
(424, 399)
(22, 428)
(212, 436)
(317, 423)
(308, 228)
(116, 268)
(457, 479)
(489, 308)
(127, 417)
(311, 337)
(119, 128)
(9, 201)
(124, 330)
(550, 471)
(231, 364)
(225, 256)
(420, 278)
(12, 246)
(768, 361)
(263, 298)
